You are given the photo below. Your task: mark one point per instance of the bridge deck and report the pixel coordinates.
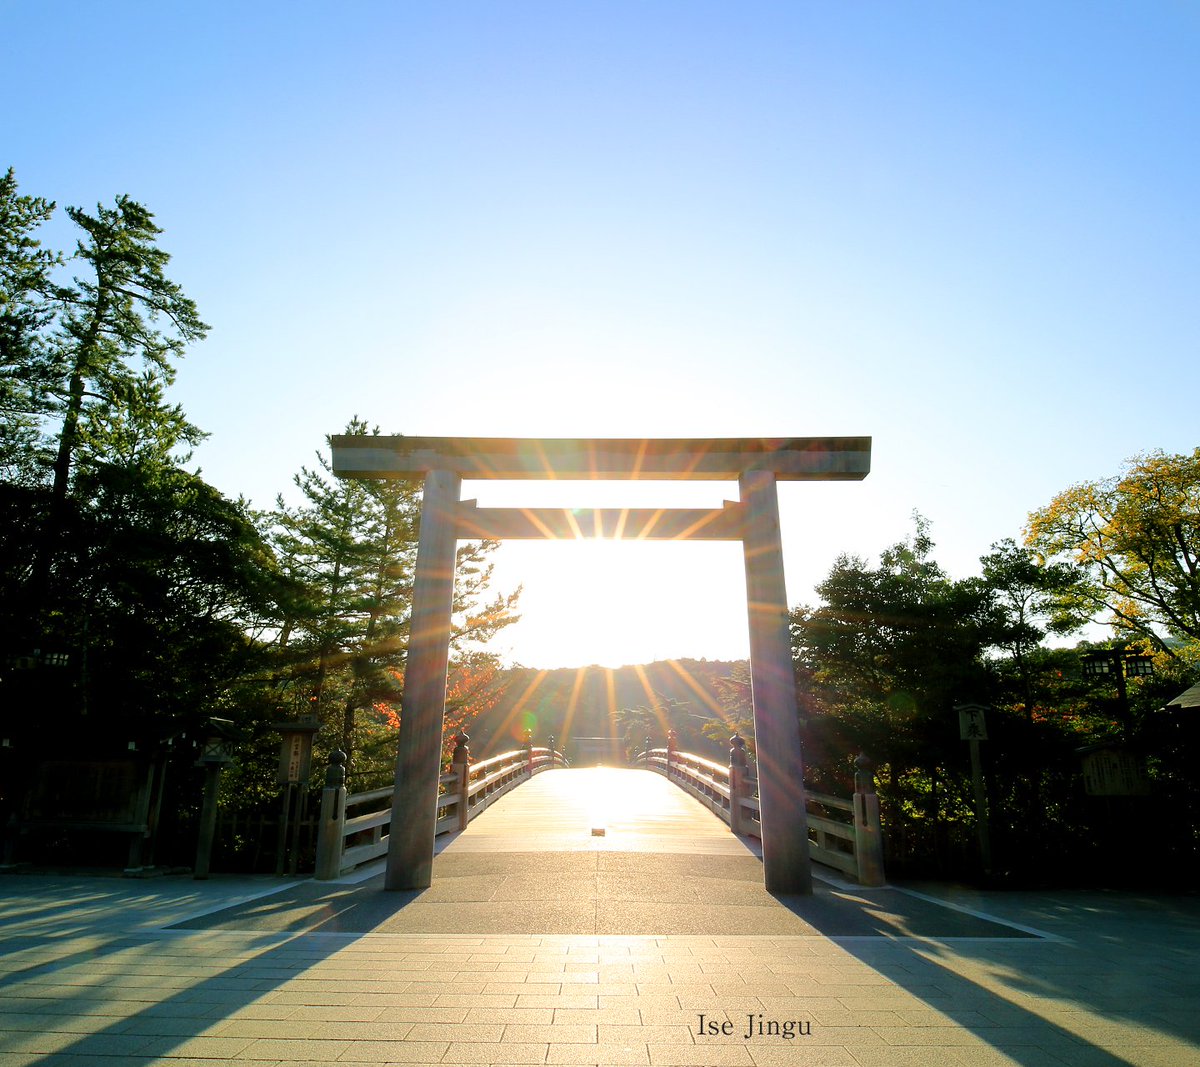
(600, 809)
(532, 864)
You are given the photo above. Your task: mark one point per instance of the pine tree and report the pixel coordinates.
(126, 313)
(25, 311)
(352, 546)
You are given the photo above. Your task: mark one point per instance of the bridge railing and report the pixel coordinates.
(843, 834)
(353, 828)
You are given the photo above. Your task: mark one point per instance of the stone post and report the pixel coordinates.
(868, 833)
(214, 756)
(208, 825)
(781, 798)
(423, 708)
(737, 781)
(672, 748)
(460, 763)
(331, 828)
(207, 828)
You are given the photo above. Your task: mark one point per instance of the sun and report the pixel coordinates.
(613, 602)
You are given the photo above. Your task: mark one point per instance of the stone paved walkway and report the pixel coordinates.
(116, 973)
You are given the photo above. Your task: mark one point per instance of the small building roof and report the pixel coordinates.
(1189, 698)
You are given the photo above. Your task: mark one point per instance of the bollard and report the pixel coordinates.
(460, 763)
(737, 781)
(331, 829)
(868, 833)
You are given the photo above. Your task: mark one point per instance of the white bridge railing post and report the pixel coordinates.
(737, 783)
(331, 829)
(868, 832)
(460, 764)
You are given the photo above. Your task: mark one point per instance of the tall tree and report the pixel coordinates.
(352, 543)
(1135, 541)
(116, 333)
(145, 580)
(171, 580)
(736, 695)
(1025, 593)
(123, 314)
(882, 662)
(25, 311)
(901, 639)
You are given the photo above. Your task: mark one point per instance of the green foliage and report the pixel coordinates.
(1025, 595)
(121, 312)
(735, 693)
(887, 655)
(133, 595)
(170, 578)
(144, 578)
(1134, 541)
(158, 602)
(1026, 590)
(349, 549)
(893, 648)
(25, 311)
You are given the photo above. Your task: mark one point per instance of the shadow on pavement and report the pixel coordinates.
(1115, 971)
(598, 893)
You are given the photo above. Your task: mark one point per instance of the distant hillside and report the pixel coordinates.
(584, 702)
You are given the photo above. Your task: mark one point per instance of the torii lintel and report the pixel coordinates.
(603, 459)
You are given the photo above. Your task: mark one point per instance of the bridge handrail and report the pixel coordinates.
(466, 791)
(853, 846)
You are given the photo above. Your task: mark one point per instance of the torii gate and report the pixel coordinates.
(755, 463)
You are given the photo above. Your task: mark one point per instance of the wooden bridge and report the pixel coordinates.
(669, 802)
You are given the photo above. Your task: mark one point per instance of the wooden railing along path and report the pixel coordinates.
(843, 834)
(353, 828)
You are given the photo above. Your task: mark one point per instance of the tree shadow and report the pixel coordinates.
(1027, 974)
(1023, 974)
(43, 987)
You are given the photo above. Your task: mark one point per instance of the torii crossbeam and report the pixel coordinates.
(756, 464)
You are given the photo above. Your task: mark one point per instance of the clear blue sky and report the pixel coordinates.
(969, 230)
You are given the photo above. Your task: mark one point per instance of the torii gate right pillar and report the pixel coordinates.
(786, 864)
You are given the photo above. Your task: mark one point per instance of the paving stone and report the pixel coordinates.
(472, 1053)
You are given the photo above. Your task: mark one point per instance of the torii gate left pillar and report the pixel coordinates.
(423, 706)
(754, 520)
